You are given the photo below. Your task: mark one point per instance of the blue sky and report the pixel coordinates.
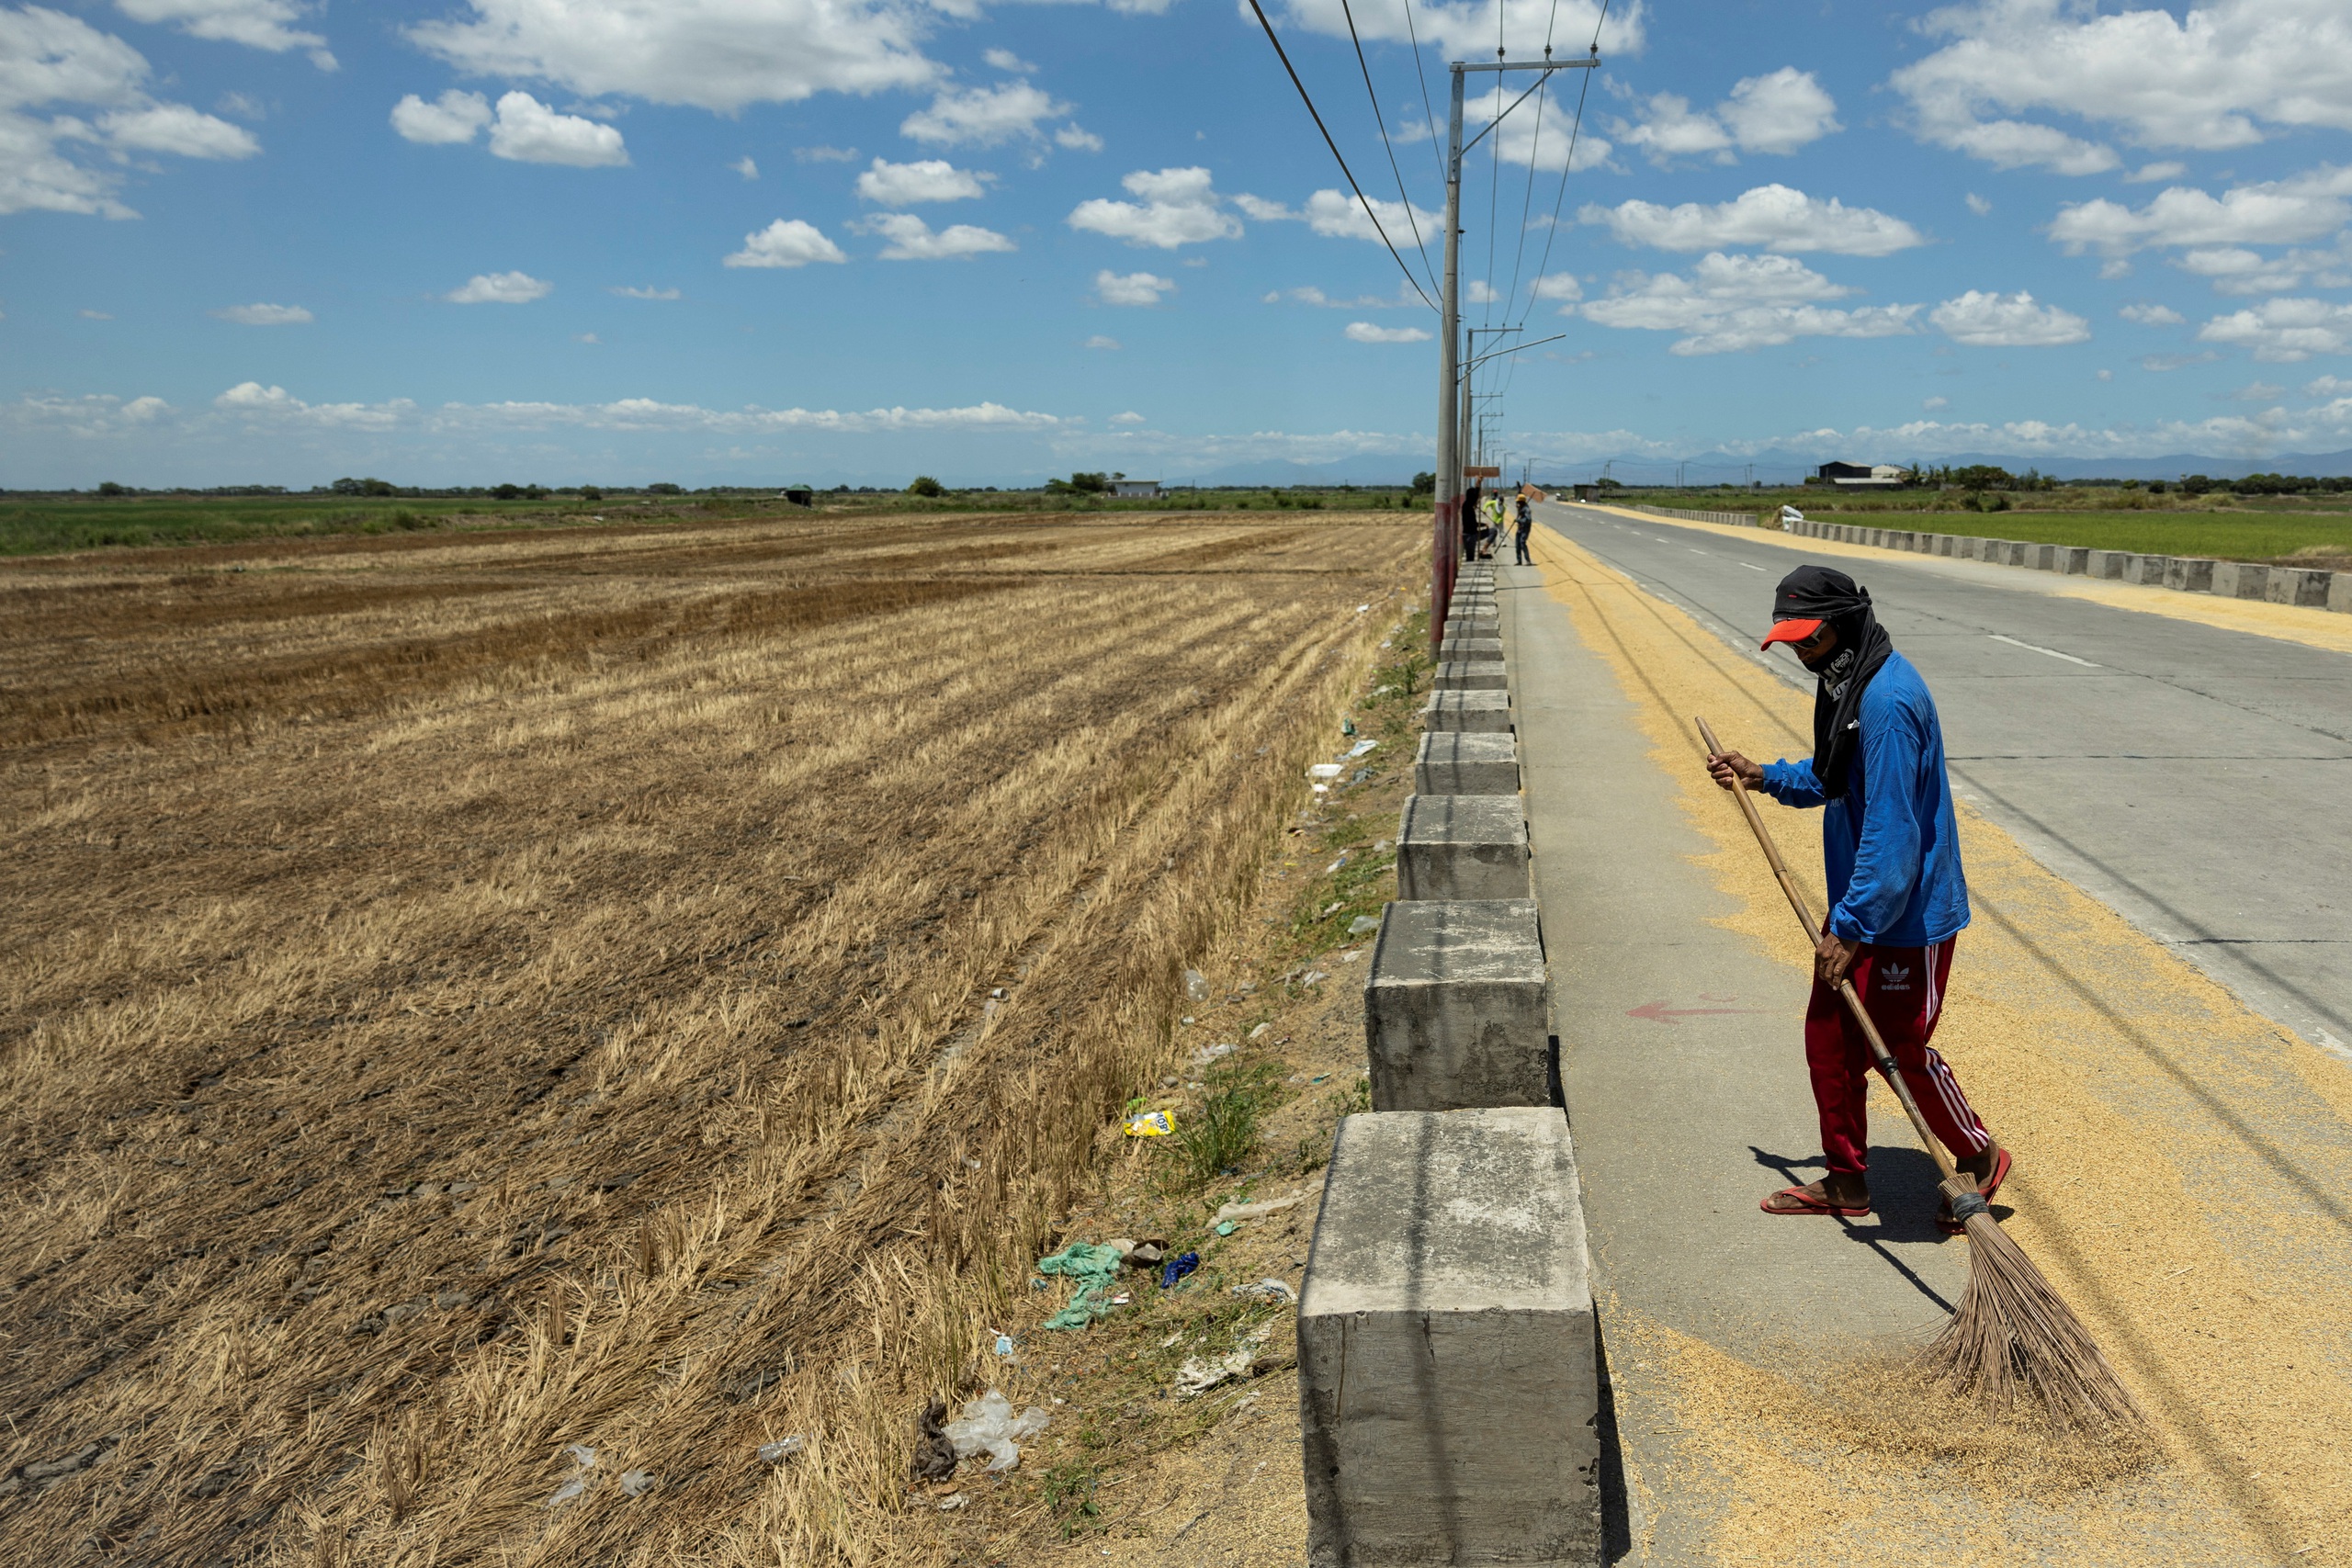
(772, 240)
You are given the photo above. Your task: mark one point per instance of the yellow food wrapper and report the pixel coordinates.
(1151, 1125)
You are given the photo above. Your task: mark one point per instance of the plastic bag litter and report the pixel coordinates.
(1256, 1210)
(636, 1482)
(1266, 1290)
(1176, 1269)
(1201, 1373)
(1151, 1125)
(1326, 771)
(988, 1426)
(1207, 1053)
(1364, 925)
(952, 1502)
(1196, 986)
(1261, 1031)
(1093, 1267)
(576, 1483)
(782, 1449)
(1364, 747)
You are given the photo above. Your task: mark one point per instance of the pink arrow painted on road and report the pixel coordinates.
(1659, 1012)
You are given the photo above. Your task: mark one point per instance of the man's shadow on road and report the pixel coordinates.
(1905, 1196)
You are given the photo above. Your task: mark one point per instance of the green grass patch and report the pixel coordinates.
(50, 525)
(2229, 538)
(1218, 1136)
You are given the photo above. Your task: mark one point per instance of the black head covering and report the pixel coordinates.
(1817, 593)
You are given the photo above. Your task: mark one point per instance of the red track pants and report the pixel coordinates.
(1904, 989)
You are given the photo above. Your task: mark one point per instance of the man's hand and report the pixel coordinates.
(1725, 766)
(1832, 957)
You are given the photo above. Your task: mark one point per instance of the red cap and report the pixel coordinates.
(1789, 631)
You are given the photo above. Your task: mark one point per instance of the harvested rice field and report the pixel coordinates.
(471, 1000)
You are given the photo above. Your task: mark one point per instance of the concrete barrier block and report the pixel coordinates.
(1965, 547)
(1485, 712)
(2040, 557)
(1448, 1350)
(2339, 592)
(2075, 560)
(2190, 574)
(1461, 847)
(2306, 586)
(2240, 580)
(1467, 647)
(1454, 1006)
(1454, 762)
(2104, 563)
(1471, 675)
(2147, 569)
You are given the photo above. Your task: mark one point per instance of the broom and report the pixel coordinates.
(2013, 1334)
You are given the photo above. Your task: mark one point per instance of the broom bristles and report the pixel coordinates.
(2015, 1338)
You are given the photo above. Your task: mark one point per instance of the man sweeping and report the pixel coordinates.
(1897, 897)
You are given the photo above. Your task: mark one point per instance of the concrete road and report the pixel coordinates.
(2191, 778)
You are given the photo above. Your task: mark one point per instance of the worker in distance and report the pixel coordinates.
(1898, 897)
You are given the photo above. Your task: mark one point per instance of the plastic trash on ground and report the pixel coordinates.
(1093, 1267)
(1326, 771)
(583, 1459)
(1200, 1373)
(1265, 1291)
(1176, 1269)
(1256, 1210)
(782, 1449)
(988, 1426)
(1361, 747)
(1196, 986)
(636, 1482)
(1151, 1125)
(1207, 1053)
(1364, 925)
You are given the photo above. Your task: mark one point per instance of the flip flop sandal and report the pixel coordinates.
(2001, 1163)
(1809, 1204)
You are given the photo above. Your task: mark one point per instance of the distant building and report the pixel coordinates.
(1135, 490)
(1882, 475)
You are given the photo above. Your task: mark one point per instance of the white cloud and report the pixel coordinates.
(928, 179)
(1479, 291)
(95, 316)
(2327, 387)
(786, 242)
(1978, 205)
(528, 131)
(258, 404)
(2280, 332)
(2259, 392)
(2303, 207)
(1099, 341)
(722, 55)
(586, 337)
(1468, 28)
(1338, 215)
(1730, 303)
(2149, 174)
(453, 116)
(1364, 332)
(265, 315)
(2006, 321)
(628, 292)
(824, 154)
(2107, 374)
(1077, 138)
(47, 58)
(1178, 208)
(983, 116)
(2152, 315)
(1005, 60)
(1131, 288)
(911, 239)
(1772, 218)
(1535, 135)
(746, 167)
(257, 24)
(1558, 286)
(1931, 404)
(1128, 418)
(2160, 363)
(1780, 112)
(499, 288)
(2209, 79)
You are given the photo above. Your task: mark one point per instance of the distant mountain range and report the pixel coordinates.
(1774, 468)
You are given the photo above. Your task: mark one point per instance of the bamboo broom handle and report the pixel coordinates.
(1887, 1065)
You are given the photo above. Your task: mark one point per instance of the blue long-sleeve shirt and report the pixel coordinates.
(1891, 842)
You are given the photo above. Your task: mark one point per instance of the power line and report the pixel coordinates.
(1382, 126)
(1428, 110)
(1527, 202)
(1280, 53)
(1568, 165)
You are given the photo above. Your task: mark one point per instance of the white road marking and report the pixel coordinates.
(1696, 551)
(2036, 648)
(1752, 566)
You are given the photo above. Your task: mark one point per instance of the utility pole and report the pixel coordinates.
(1453, 399)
